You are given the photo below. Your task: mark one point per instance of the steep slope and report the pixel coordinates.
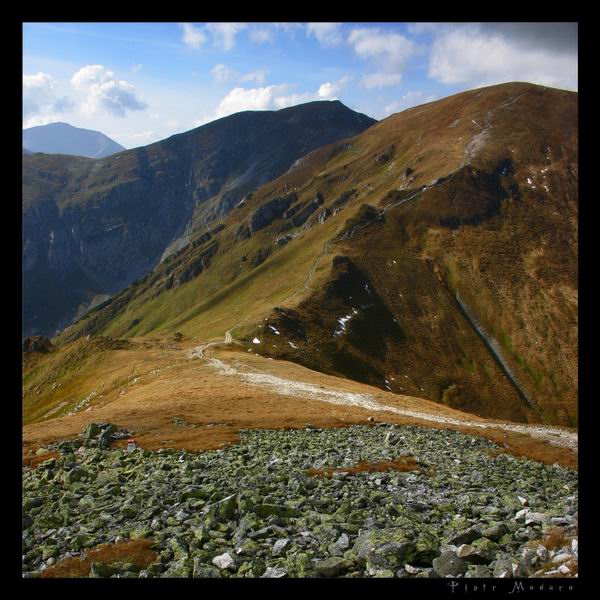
(62, 138)
(434, 255)
(91, 227)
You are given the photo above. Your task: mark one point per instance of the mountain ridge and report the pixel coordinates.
(92, 226)
(457, 198)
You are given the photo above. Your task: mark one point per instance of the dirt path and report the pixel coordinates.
(198, 351)
(288, 387)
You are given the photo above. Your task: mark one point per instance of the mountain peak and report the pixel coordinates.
(63, 138)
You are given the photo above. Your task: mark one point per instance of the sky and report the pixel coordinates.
(142, 82)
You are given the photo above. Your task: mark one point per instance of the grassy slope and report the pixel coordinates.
(528, 300)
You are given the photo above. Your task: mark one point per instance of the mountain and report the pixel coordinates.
(91, 227)
(433, 254)
(62, 138)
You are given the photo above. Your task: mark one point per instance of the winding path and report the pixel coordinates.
(288, 387)
(299, 389)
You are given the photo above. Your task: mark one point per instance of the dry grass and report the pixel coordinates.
(403, 464)
(218, 408)
(556, 538)
(30, 459)
(138, 552)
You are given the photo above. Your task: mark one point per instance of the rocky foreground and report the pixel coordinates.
(294, 504)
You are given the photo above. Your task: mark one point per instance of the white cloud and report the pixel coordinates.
(388, 52)
(329, 90)
(224, 34)
(258, 77)
(284, 101)
(377, 80)
(238, 99)
(192, 36)
(469, 55)
(223, 74)
(410, 99)
(262, 35)
(40, 102)
(328, 34)
(272, 97)
(38, 91)
(417, 28)
(289, 28)
(103, 91)
(143, 136)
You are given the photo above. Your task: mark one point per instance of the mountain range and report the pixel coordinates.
(91, 227)
(432, 254)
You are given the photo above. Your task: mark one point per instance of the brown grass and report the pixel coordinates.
(33, 460)
(556, 538)
(138, 552)
(402, 464)
(217, 407)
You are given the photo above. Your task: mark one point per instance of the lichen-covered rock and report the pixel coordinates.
(332, 567)
(449, 564)
(254, 504)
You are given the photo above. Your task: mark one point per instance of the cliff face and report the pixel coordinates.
(92, 227)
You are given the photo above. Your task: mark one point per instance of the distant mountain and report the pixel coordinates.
(25, 151)
(91, 227)
(62, 138)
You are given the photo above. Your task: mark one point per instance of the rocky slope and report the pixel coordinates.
(91, 227)
(433, 255)
(363, 501)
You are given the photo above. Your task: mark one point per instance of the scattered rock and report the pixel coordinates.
(450, 564)
(465, 537)
(224, 561)
(332, 567)
(253, 509)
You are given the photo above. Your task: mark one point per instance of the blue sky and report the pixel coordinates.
(141, 82)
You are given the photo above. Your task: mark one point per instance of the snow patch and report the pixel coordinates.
(342, 322)
(273, 329)
(256, 341)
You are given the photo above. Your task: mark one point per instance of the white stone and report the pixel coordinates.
(223, 561)
(535, 517)
(280, 545)
(561, 558)
(564, 569)
(273, 572)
